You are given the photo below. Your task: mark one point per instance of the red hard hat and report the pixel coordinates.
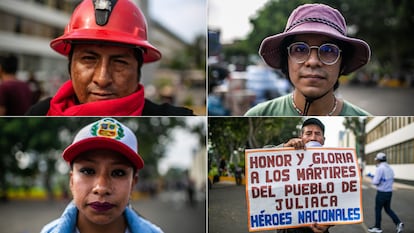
(113, 21)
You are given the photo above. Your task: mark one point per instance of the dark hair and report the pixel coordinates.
(138, 54)
(9, 64)
(284, 56)
(314, 121)
(346, 50)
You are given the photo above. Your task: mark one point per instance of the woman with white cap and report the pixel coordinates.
(104, 164)
(313, 52)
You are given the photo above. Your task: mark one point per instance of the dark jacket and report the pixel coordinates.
(150, 109)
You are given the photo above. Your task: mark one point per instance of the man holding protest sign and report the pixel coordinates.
(312, 133)
(296, 187)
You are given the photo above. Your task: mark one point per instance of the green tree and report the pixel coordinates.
(270, 20)
(192, 57)
(386, 26)
(20, 135)
(357, 126)
(46, 138)
(227, 135)
(198, 51)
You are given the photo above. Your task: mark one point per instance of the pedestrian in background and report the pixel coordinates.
(36, 88)
(15, 95)
(223, 166)
(383, 180)
(313, 52)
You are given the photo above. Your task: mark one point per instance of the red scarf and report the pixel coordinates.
(63, 104)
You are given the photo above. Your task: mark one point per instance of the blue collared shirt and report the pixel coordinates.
(67, 222)
(384, 177)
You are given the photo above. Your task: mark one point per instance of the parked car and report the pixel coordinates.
(266, 83)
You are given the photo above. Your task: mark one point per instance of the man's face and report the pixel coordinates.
(312, 77)
(101, 72)
(101, 183)
(312, 133)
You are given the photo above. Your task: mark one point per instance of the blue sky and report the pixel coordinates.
(185, 18)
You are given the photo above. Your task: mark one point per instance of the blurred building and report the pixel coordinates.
(347, 139)
(28, 26)
(198, 169)
(395, 137)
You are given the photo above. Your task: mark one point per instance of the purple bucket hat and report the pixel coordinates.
(315, 19)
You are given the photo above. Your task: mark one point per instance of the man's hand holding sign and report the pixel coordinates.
(311, 188)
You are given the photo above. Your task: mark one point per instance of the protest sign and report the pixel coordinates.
(287, 188)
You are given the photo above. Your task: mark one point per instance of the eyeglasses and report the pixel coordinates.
(300, 51)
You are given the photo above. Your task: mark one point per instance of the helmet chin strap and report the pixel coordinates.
(309, 101)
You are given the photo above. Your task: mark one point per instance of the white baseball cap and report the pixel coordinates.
(381, 156)
(106, 133)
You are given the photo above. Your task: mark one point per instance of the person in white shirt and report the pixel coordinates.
(383, 180)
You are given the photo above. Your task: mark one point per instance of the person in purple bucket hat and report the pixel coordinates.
(313, 52)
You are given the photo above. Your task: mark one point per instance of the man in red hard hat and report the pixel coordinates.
(106, 44)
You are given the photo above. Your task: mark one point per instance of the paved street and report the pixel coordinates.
(227, 210)
(380, 101)
(170, 211)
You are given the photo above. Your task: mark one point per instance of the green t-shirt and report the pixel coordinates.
(282, 106)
